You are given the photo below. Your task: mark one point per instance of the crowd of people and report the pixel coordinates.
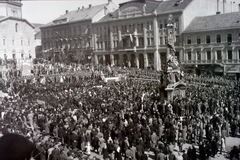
(122, 120)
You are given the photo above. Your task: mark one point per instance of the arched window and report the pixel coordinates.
(16, 27)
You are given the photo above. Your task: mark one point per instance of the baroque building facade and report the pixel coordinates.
(70, 35)
(212, 44)
(135, 34)
(131, 34)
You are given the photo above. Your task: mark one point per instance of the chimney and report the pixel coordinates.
(78, 8)
(66, 11)
(224, 1)
(239, 7)
(109, 1)
(90, 6)
(82, 7)
(218, 11)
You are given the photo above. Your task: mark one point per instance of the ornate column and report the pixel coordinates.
(111, 38)
(119, 38)
(157, 60)
(145, 35)
(202, 55)
(96, 58)
(137, 60)
(104, 59)
(103, 38)
(145, 59)
(112, 59)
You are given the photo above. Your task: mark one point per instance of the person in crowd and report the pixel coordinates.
(87, 114)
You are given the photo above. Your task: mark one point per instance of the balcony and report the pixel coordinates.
(212, 61)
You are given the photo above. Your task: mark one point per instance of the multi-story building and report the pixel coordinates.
(212, 44)
(132, 34)
(17, 34)
(135, 34)
(69, 37)
(38, 40)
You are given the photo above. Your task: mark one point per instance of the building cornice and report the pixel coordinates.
(17, 19)
(63, 24)
(210, 30)
(139, 17)
(19, 4)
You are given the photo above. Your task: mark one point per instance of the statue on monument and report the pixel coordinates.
(172, 69)
(171, 38)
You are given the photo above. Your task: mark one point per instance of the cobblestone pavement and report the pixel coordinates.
(230, 142)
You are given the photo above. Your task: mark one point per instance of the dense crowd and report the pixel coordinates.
(122, 120)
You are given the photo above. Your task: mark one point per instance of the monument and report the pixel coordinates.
(174, 86)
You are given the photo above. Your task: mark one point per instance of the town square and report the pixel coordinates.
(120, 80)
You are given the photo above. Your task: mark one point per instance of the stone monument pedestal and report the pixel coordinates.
(169, 94)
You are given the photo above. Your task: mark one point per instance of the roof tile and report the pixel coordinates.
(78, 15)
(215, 22)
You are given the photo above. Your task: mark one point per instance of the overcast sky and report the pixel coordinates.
(42, 11)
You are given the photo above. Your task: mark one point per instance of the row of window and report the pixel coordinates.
(66, 32)
(105, 43)
(135, 27)
(208, 39)
(13, 42)
(14, 56)
(209, 55)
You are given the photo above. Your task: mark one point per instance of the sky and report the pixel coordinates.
(42, 11)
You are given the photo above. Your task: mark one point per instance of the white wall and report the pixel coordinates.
(25, 33)
(3, 11)
(7, 10)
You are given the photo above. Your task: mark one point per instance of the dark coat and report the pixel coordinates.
(10, 147)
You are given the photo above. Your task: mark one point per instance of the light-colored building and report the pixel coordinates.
(212, 44)
(17, 34)
(135, 34)
(69, 37)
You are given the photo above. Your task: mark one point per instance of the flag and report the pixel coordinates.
(131, 38)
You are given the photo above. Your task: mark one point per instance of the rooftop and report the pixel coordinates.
(151, 5)
(215, 22)
(37, 26)
(172, 6)
(77, 15)
(161, 7)
(4, 18)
